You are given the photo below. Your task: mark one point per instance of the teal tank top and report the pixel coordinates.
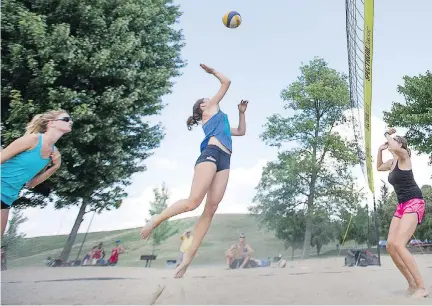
(19, 170)
(219, 127)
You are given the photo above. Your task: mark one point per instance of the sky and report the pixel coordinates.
(261, 58)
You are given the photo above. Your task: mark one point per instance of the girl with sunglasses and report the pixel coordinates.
(212, 167)
(409, 212)
(32, 158)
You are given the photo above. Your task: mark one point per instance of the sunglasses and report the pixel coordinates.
(65, 119)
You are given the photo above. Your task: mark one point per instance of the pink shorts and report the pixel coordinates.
(411, 206)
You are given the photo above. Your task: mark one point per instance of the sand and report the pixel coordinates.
(317, 281)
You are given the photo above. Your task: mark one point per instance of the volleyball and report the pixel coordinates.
(232, 19)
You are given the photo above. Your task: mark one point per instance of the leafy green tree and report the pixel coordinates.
(166, 229)
(107, 63)
(323, 230)
(416, 114)
(386, 205)
(315, 170)
(13, 238)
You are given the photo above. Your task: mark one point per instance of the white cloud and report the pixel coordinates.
(164, 164)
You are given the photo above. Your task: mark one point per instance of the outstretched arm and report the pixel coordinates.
(225, 84)
(241, 129)
(46, 173)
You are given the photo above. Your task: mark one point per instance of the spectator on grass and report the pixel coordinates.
(239, 255)
(98, 255)
(186, 241)
(115, 253)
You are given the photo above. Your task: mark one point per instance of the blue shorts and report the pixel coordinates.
(216, 155)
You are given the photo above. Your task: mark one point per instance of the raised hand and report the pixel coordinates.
(207, 69)
(243, 106)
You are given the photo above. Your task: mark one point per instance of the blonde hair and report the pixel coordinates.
(39, 123)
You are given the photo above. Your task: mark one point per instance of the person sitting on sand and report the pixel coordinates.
(115, 253)
(239, 255)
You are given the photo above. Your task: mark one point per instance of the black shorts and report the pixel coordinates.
(5, 206)
(214, 154)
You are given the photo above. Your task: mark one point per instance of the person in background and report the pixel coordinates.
(238, 255)
(115, 253)
(98, 255)
(186, 241)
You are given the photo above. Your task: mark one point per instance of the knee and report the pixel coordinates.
(193, 203)
(210, 209)
(394, 246)
(390, 246)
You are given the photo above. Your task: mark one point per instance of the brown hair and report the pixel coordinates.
(196, 115)
(39, 122)
(404, 143)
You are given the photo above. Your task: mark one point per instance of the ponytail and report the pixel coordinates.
(191, 122)
(196, 115)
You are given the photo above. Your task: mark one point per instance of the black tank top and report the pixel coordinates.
(404, 184)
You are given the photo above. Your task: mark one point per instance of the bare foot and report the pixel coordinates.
(421, 293)
(181, 269)
(411, 290)
(147, 229)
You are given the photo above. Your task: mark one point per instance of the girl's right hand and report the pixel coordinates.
(207, 69)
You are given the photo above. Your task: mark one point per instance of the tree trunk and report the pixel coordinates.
(318, 249)
(308, 235)
(72, 236)
(292, 253)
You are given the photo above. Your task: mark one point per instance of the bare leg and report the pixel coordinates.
(229, 260)
(391, 249)
(4, 220)
(407, 226)
(214, 196)
(203, 177)
(245, 261)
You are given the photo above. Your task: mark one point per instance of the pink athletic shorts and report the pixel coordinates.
(411, 206)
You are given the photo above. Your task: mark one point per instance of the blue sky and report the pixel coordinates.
(261, 57)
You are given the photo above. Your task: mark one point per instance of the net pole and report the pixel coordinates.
(377, 232)
(367, 81)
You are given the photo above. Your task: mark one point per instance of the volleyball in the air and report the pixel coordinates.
(232, 19)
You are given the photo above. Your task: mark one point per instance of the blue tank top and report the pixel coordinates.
(19, 170)
(219, 127)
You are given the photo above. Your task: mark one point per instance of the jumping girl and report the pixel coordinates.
(211, 168)
(25, 161)
(409, 211)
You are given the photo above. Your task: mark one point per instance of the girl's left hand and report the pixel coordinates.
(243, 106)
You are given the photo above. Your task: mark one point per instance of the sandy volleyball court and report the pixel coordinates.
(324, 281)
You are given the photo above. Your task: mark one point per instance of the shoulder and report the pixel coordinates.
(28, 141)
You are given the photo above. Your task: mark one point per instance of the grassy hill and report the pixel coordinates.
(224, 232)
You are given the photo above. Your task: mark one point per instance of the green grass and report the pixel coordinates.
(223, 232)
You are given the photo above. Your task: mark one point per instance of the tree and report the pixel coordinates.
(323, 230)
(290, 230)
(314, 171)
(416, 114)
(107, 63)
(386, 205)
(165, 229)
(12, 238)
